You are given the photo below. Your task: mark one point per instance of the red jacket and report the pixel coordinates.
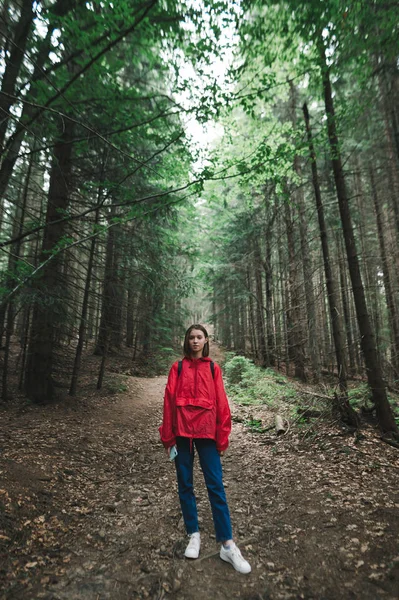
(195, 404)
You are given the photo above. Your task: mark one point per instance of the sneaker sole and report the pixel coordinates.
(192, 557)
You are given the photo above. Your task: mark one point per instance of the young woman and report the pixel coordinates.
(197, 414)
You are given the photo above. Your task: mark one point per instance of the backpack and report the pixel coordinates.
(211, 364)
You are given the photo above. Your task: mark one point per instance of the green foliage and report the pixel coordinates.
(116, 384)
(394, 401)
(165, 356)
(359, 396)
(239, 370)
(255, 425)
(156, 363)
(248, 384)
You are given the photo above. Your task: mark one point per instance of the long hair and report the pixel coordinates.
(186, 345)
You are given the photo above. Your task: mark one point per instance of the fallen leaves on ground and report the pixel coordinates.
(89, 508)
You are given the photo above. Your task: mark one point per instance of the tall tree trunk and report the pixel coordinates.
(9, 308)
(389, 295)
(49, 286)
(15, 140)
(366, 266)
(118, 293)
(12, 265)
(5, 33)
(271, 350)
(234, 317)
(13, 64)
(393, 156)
(104, 357)
(373, 368)
(346, 306)
(13, 145)
(308, 282)
(215, 320)
(130, 313)
(260, 317)
(24, 344)
(389, 85)
(305, 251)
(243, 328)
(226, 320)
(324, 319)
(345, 409)
(251, 312)
(109, 329)
(85, 304)
(284, 293)
(294, 325)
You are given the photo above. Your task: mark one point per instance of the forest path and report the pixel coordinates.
(92, 512)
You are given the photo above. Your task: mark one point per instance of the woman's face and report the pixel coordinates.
(196, 342)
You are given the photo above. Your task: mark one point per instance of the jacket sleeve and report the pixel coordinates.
(166, 432)
(223, 414)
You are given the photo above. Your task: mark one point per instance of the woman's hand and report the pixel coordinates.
(221, 453)
(167, 450)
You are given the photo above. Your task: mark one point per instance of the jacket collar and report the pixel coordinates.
(202, 359)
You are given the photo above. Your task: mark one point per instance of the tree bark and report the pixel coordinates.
(260, 317)
(47, 310)
(130, 313)
(269, 300)
(251, 316)
(389, 295)
(346, 411)
(234, 317)
(367, 266)
(306, 255)
(13, 65)
(294, 325)
(60, 8)
(243, 328)
(346, 306)
(29, 115)
(85, 305)
(374, 374)
(284, 293)
(108, 295)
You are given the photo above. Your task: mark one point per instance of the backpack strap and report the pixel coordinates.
(180, 366)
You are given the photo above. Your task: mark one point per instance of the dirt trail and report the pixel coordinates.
(91, 512)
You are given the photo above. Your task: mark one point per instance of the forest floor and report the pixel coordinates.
(89, 508)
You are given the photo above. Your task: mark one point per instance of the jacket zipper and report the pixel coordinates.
(195, 380)
(195, 397)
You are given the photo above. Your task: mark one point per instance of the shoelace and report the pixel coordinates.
(193, 542)
(236, 552)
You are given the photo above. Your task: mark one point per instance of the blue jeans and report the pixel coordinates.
(212, 470)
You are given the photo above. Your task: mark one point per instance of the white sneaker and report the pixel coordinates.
(234, 557)
(193, 548)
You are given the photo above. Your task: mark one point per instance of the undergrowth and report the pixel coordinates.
(156, 363)
(248, 384)
(360, 397)
(115, 384)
